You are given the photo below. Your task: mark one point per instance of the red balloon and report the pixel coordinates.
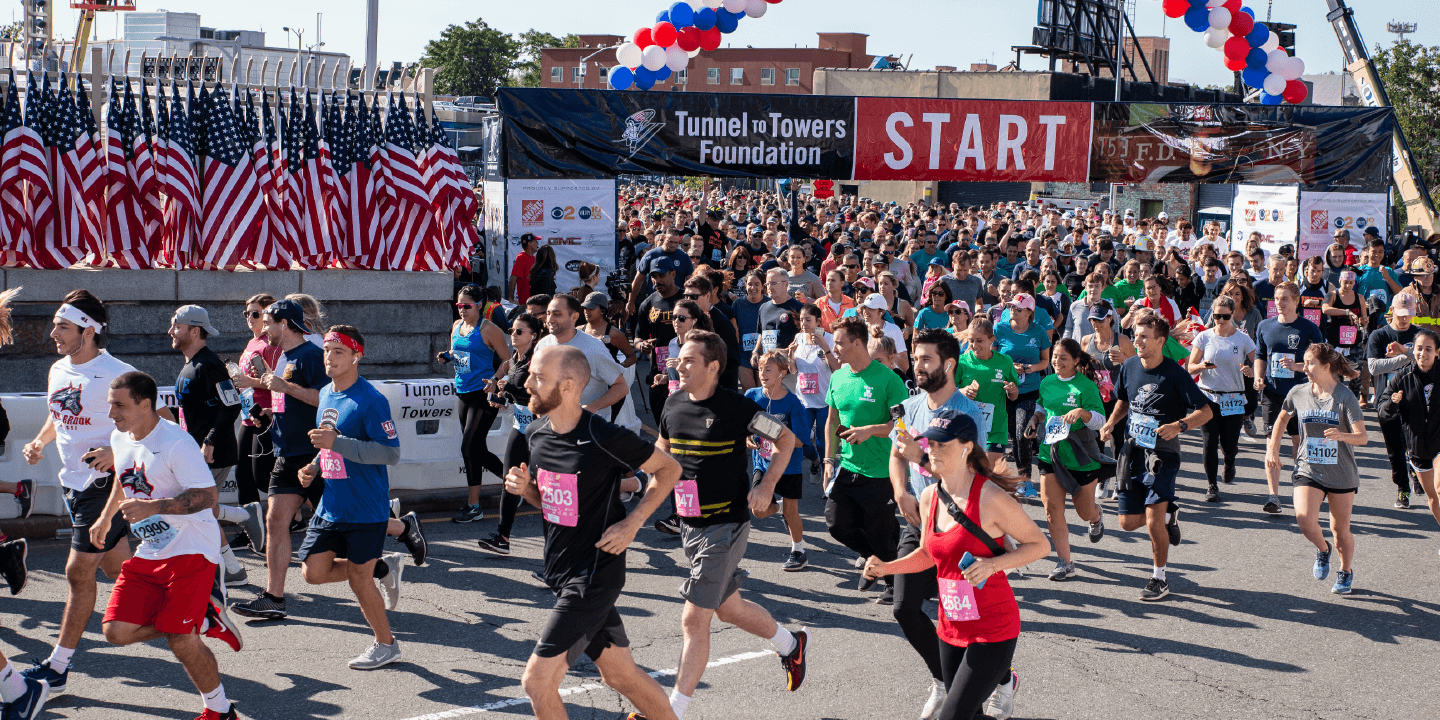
(642, 38)
(688, 39)
(1236, 47)
(1241, 24)
(773, 2)
(1295, 92)
(1232, 5)
(1236, 64)
(1176, 8)
(663, 34)
(710, 39)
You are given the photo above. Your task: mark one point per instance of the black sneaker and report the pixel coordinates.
(1173, 527)
(797, 562)
(1154, 590)
(12, 564)
(1229, 477)
(867, 582)
(1097, 530)
(470, 514)
(413, 536)
(241, 541)
(262, 608)
(1212, 495)
(669, 525)
(495, 544)
(794, 663)
(887, 597)
(1402, 500)
(1272, 506)
(25, 496)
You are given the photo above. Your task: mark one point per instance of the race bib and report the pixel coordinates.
(674, 385)
(1378, 293)
(1271, 310)
(522, 417)
(1348, 334)
(1230, 403)
(154, 531)
(769, 339)
(957, 600)
(247, 401)
(1021, 379)
(1056, 429)
(987, 419)
(559, 497)
(277, 402)
(332, 466)
(662, 353)
(462, 361)
(1313, 315)
(1321, 451)
(1107, 386)
(808, 383)
(764, 447)
(180, 413)
(747, 341)
(1144, 430)
(1279, 367)
(687, 498)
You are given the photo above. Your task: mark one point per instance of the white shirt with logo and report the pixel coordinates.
(164, 464)
(79, 403)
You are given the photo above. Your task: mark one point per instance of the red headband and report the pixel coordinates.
(345, 340)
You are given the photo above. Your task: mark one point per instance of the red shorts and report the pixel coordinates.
(171, 594)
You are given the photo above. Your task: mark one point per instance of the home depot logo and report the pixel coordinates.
(1319, 221)
(532, 213)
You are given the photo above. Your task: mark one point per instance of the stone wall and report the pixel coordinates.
(404, 316)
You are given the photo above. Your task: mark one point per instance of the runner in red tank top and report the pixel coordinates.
(978, 625)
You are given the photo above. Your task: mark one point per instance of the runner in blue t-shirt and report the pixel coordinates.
(1028, 346)
(772, 396)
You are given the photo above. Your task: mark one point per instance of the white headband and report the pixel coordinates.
(78, 316)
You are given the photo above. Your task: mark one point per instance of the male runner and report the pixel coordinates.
(606, 385)
(705, 427)
(1280, 344)
(356, 440)
(1156, 394)
(209, 406)
(164, 490)
(578, 460)
(79, 424)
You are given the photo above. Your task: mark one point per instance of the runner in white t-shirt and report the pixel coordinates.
(814, 356)
(171, 588)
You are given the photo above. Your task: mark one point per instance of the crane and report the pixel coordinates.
(87, 22)
(1419, 207)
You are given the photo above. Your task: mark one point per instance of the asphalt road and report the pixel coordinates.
(1247, 632)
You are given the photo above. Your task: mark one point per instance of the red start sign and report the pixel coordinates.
(824, 188)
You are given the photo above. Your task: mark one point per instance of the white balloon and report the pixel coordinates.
(695, 4)
(1275, 60)
(1272, 41)
(712, 4)
(1293, 69)
(676, 58)
(1274, 84)
(755, 8)
(1216, 37)
(1219, 18)
(1212, 4)
(653, 57)
(628, 54)
(735, 6)
(693, 53)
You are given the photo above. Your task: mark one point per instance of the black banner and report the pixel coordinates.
(602, 133)
(490, 140)
(1319, 148)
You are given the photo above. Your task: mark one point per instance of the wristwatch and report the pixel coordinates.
(1183, 425)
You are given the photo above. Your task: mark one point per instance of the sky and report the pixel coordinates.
(924, 32)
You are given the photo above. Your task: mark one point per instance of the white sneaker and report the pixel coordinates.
(934, 703)
(1001, 704)
(391, 582)
(377, 656)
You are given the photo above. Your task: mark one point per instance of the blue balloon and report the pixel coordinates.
(662, 16)
(1258, 36)
(1256, 58)
(621, 78)
(661, 74)
(682, 15)
(1254, 77)
(644, 78)
(1248, 11)
(1268, 99)
(1198, 4)
(704, 19)
(726, 20)
(1198, 19)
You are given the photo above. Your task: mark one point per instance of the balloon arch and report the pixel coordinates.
(1249, 47)
(679, 33)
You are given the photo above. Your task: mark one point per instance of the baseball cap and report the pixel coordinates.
(875, 301)
(197, 316)
(1403, 304)
(636, 224)
(291, 311)
(949, 424)
(1129, 213)
(661, 264)
(1023, 301)
(1162, 216)
(1100, 312)
(958, 305)
(1372, 231)
(596, 300)
(1068, 215)
(939, 261)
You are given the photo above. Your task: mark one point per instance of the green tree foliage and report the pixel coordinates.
(1411, 74)
(531, 43)
(471, 59)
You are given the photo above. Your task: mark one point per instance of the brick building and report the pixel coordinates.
(1156, 51)
(726, 69)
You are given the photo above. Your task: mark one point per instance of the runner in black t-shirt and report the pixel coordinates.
(705, 426)
(654, 326)
(779, 316)
(578, 460)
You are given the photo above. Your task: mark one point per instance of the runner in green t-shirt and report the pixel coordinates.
(861, 400)
(1071, 400)
(988, 377)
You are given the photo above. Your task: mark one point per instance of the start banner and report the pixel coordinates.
(1322, 214)
(575, 217)
(972, 140)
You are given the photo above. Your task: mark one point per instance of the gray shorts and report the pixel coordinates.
(714, 553)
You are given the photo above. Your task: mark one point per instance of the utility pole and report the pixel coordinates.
(372, 33)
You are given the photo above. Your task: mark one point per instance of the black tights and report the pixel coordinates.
(517, 451)
(971, 674)
(476, 416)
(257, 459)
(1220, 433)
(1022, 412)
(911, 592)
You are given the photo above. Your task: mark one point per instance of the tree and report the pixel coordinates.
(473, 59)
(1411, 74)
(531, 43)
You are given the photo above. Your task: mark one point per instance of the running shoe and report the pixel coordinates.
(241, 541)
(221, 627)
(1250, 429)
(470, 514)
(413, 536)
(238, 578)
(42, 672)
(1229, 477)
(1272, 505)
(209, 714)
(391, 582)
(28, 706)
(12, 564)
(1108, 492)
(495, 544)
(633, 716)
(1155, 589)
(794, 663)
(25, 496)
(1402, 500)
(395, 508)
(1097, 530)
(254, 527)
(867, 582)
(887, 597)
(931, 711)
(1212, 494)
(1001, 704)
(1062, 570)
(1173, 526)
(797, 562)
(261, 608)
(1030, 490)
(1322, 562)
(377, 656)
(1344, 579)
(669, 525)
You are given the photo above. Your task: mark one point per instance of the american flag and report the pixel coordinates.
(332, 141)
(318, 179)
(22, 162)
(152, 207)
(408, 217)
(292, 183)
(77, 178)
(180, 183)
(458, 210)
(275, 250)
(93, 164)
(127, 239)
(233, 209)
(357, 184)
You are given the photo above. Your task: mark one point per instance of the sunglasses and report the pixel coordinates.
(683, 318)
(252, 314)
(517, 331)
(852, 267)
(692, 296)
(1221, 316)
(464, 306)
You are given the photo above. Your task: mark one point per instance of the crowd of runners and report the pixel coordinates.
(929, 370)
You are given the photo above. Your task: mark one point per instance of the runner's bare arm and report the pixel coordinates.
(1118, 413)
(193, 500)
(101, 528)
(761, 495)
(615, 394)
(1005, 516)
(664, 473)
(46, 436)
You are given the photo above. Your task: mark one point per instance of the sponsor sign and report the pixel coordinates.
(1274, 212)
(575, 217)
(1322, 214)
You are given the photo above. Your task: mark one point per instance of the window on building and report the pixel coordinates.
(683, 76)
(557, 75)
(737, 76)
(792, 76)
(767, 76)
(712, 76)
(1151, 208)
(576, 76)
(604, 76)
